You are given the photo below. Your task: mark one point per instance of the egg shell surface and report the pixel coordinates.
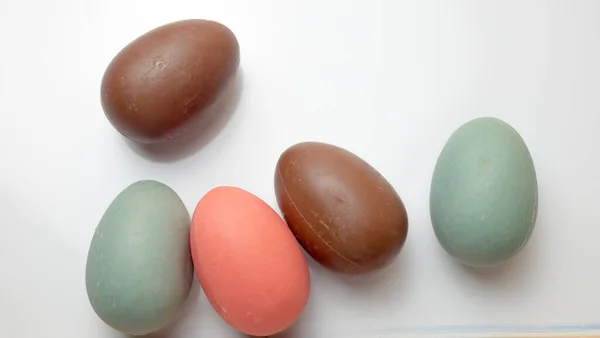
(164, 81)
(484, 193)
(139, 269)
(344, 213)
(249, 264)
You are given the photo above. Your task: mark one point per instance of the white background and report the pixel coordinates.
(388, 80)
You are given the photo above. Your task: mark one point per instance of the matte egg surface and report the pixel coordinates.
(139, 269)
(249, 264)
(484, 194)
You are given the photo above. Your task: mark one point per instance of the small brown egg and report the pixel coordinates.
(166, 79)
(343, 212)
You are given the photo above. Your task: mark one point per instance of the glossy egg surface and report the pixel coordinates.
(345, 214)
(166, 79)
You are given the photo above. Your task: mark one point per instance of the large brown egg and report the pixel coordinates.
(343, 212)
(167, 78)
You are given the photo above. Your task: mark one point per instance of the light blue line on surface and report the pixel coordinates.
(490, 328)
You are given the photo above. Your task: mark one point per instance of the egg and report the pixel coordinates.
(343, 212)
(484, 194)
(163, 81)
(139, 269)
(249, 264)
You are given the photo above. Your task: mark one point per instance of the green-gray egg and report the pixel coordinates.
(484, 194)
(139, 269)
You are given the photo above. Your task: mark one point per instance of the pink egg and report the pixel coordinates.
(248, 262)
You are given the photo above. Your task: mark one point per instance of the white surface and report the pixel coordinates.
(388, 80)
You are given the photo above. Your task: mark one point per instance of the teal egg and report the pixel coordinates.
(484, 194)
(139, 269)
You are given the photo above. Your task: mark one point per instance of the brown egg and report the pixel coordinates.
(167, 78)
(343, 212)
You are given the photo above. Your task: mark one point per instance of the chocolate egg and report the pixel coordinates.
(343, 212)
(167, 78)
